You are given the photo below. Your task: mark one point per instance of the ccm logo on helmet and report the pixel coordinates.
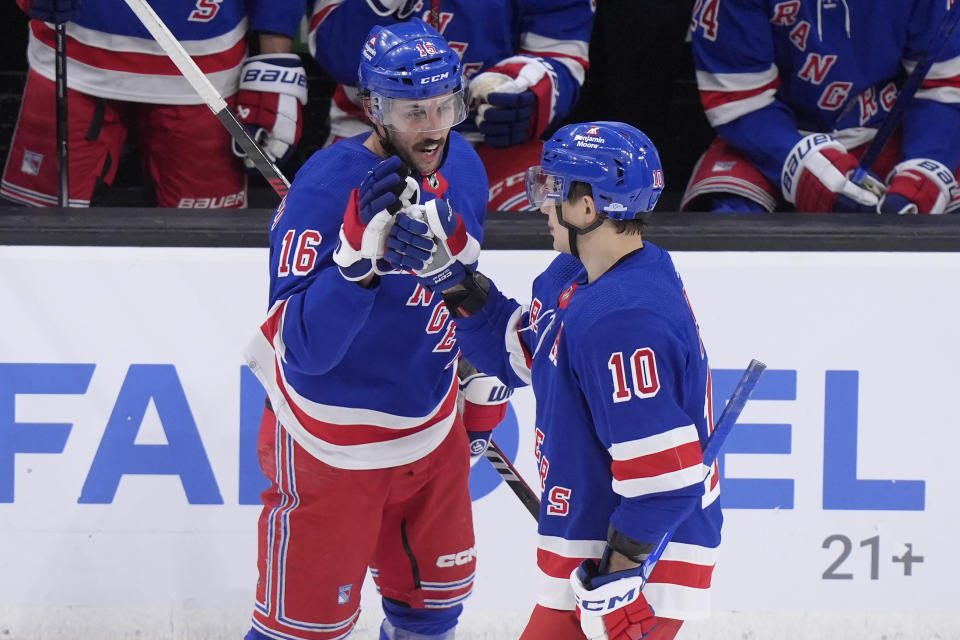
(457, 559)
(439, 76)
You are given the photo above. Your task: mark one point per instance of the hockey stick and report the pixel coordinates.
(209, 94)
(725, 424)
(60, 66)
(861, 176)
(728, 417)
(513, 479)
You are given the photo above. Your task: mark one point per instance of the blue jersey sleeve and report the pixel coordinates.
(277, 16)
(465, 171)
(632, 368)
(337, 30)
(558, 31)
(734, 54)
(931, 123)
(493, 340)
(324, 311)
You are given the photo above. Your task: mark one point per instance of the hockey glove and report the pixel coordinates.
(55, 11)
(364, 232)
(384, 189)
(484, 407)
(452, 247)
(413, 247)
(514, 100)
(918, 186)
(612, 606)
(410, 244)
(273, 90)
(347, 254)
(815, 178)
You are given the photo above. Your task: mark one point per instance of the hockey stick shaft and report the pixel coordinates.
(63, 157)
(209, 94)
(728, 417)
(730, 413)
(892, 121)
(513, 479)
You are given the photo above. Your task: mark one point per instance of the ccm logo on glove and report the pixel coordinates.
(610, 602)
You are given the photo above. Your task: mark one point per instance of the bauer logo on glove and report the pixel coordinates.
(273, 90)
(919, 185)
(816, 177)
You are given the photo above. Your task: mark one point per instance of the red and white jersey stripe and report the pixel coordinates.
(680, 582)
(520, 358)
(655, 464)
(679, 585)
(341, 436)
(557, 558)
(136, 69)
(573, 54)
(942, 82)
(728, 96)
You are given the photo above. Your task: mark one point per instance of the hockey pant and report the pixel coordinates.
(321, 528)
(184, 150)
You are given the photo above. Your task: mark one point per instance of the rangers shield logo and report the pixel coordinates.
(31, 163)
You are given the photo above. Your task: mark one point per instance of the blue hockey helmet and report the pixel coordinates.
(411, 61)
(408, 60)
(617, 160)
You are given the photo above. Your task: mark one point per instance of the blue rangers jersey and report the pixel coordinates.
(622, 390)
(770, 71)
(112, 55)
(362, 378)
(483, 33)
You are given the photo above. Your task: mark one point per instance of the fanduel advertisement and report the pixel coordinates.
(129, 481)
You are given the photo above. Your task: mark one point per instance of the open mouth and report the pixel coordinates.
(429, 152)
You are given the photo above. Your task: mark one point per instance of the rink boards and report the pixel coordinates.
(128, 478)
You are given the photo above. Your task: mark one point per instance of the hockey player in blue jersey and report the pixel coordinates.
(121, 83)
(525, 61)
(363, 441)
(795, 90)
(622, 384)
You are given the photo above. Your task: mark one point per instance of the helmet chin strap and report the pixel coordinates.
(574, 231)
(384, 138)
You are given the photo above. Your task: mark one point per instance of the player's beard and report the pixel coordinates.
(408, 154)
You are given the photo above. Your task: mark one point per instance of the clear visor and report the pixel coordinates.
(419, 115)
(542, 186)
